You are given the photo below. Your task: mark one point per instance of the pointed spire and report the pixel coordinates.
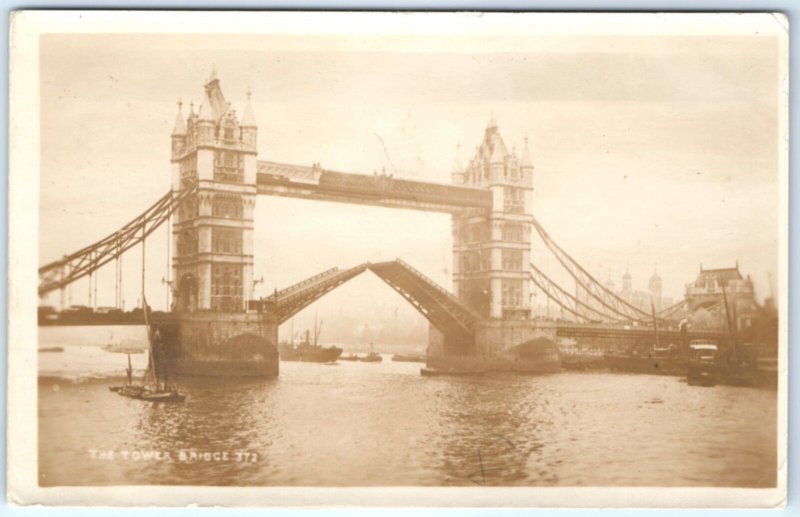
(526, 156)
(206, 113)
(248, 119)
(499, 150)
(213, 75)
(492, 122)
(497, 155)
(180, 127)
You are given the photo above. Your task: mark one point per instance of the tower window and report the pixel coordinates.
(226, 287)
(512, 260)
(227, 206)
(513, 201)
(188, 209)
(226, 240)
(513, 232)
(512, 293)
(188, 168)
(187, 242)
(228, 167)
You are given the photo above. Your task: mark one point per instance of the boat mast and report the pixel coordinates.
(728, 319)
(151, 366)
(317, 332)
(655, 322)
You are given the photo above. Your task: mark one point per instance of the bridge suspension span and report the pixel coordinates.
(583, 311)
(616, 309)
(60, 273)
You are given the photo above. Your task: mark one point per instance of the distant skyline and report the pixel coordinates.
(655, 152)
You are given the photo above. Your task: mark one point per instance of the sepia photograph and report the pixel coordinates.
(451, 254)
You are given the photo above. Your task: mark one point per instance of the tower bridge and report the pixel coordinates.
(219, 329)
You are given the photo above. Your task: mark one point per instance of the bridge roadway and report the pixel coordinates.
(298, 181)
(444, 310)
(621, 331)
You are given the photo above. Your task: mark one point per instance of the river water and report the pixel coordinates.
(366, 424)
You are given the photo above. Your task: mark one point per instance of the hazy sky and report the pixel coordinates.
(647, 150)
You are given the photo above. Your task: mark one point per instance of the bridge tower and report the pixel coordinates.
(213, 245)
(491, 251)
(213, 231)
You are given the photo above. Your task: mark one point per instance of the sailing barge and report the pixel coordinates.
(155, 386)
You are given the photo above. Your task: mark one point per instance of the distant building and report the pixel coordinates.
(642, 300)
(705, 297)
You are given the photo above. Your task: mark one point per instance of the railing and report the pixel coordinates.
(436, 286)
(306, 282)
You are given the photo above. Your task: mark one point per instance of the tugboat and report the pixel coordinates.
(371, 357)
(702, 368)
(309, 352)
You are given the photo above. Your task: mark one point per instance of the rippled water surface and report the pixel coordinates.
(384, 424)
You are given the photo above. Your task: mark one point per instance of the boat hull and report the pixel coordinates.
(309, 353)
(645, 364)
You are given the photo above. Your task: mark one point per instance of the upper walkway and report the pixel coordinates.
(281, 179)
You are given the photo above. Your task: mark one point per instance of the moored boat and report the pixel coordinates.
(371, 357)
(409, 358)
(440, 372)
(308, 351)
(154, 388)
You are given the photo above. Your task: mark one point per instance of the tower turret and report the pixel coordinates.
(178, 133)
(526, 165)
(497, 160)
(248, 125)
